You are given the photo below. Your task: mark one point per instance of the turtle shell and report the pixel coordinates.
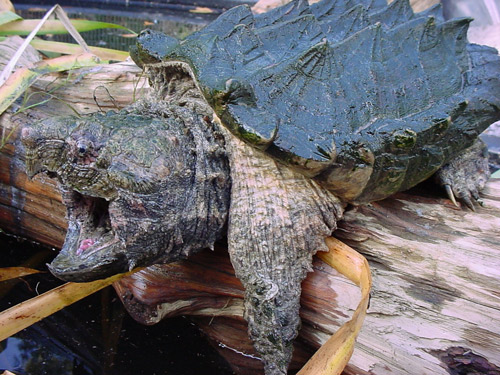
(367, 97)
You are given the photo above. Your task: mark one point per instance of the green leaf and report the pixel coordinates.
(6, 17)
(24, 27)
(24, 77)
(71, 48)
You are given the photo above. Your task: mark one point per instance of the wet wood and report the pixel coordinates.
(436, 268)
(436, 271)
(84, 91)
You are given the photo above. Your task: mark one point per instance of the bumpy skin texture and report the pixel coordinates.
(267, 124)
(149, 184)
(278, 220)
(467, 174)
(371, 99)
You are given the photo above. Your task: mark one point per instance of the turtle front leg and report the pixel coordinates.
(278, 219)
(466, 175)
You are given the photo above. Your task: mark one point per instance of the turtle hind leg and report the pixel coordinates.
(466, 175)
(278, 219)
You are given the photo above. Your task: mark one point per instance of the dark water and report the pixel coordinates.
(95, 335)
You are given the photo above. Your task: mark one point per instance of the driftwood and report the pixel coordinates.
(435, 302)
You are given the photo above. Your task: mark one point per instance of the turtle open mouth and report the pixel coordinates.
(91, 250)
(95, 223)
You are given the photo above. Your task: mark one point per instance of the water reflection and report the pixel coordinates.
(28, 357)
(95, 336)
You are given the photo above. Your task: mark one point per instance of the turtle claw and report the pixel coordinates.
(468, 202)
(466, 175)
(469, 196)
(449, 191)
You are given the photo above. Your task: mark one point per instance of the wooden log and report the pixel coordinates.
(84, 91)
(436, 275)
(436, 269)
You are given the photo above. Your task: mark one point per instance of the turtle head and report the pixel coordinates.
(152, 47)
(138, 189)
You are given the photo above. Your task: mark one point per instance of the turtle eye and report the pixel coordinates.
(82, 149)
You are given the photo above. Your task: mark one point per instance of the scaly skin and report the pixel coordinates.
(141, 186)
(334, 104)
(278, 220)
(466, 175)
(143, 190)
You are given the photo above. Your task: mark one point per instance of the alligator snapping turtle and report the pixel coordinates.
(265, 127)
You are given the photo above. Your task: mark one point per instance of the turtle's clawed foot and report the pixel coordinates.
(464, 195)
(466, 175)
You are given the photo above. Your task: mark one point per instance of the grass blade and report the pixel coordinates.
(67, 26)
(71, 48)
(24, 77)
(35, 309)
(6, 5)
(56, 27)
(8, 273)
(334, 354)
(63, 17)
(13, 61)
(6, 17)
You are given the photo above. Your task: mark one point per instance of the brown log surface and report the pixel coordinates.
(436, 269)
